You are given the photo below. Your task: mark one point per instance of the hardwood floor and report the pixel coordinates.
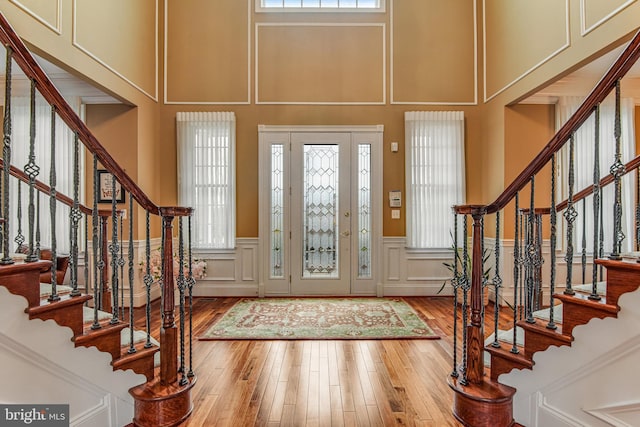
(322, 383)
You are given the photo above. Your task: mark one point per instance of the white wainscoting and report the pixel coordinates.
(414, 272)
(230, 272)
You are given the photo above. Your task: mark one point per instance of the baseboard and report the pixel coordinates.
(204, 289)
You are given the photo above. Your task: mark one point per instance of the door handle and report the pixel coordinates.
(345, 233)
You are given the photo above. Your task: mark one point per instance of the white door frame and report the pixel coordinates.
(270, 135)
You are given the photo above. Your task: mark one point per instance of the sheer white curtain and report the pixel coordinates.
(20, 116)
(584, 164)
(206, 175)
(435, 175)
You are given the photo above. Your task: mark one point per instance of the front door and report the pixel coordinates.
(320, 211)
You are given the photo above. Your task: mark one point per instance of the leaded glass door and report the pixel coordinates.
(320, 210)
(320, 213)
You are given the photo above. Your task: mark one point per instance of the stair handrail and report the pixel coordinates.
(44, 188)
(630, 166)
(32, 70)
(598, 94)
(47, 89)
(472, 368)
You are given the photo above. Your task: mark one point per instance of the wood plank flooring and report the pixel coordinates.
(322, 383)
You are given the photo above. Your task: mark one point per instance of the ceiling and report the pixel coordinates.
(68, 84)
(583, 80)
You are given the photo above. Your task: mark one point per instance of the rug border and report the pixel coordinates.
(435, 335)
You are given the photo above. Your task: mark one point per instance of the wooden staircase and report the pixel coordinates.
(165, 398)
(155, 404)
(489, 403)
(577, 310)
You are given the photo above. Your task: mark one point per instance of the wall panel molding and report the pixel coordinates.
(166, 76)
(565, 45)
(56, 26)
(473, 98)
(382, 53)
(96, 57)
(586, 28)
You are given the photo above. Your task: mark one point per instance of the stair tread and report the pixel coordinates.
(583, 300)
(504, 351)
(540, 327)
(64, 301)
(141, 352)
(21, 267)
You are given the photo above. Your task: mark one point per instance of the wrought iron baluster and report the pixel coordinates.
(181, 288)
(516, 271)
(190, 283)
(617, 170)
(466, 285)
(32, 170)
(37, 244)
(114, 249)
(637, 216)
(148, 280)
(6, 158)
(121, 264)
(75, 216)
(531, 256)
(19, 239)
(583, 258)
(132, 348)
(86, 254)
(553, 242)
(97, 260)
(596, 204)
(455, 284)
(497, 284)
(570, 215)
(52, 208)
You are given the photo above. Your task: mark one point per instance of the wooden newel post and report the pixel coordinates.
(475, 329)
(169, 330)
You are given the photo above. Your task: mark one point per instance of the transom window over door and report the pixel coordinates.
(320, 5)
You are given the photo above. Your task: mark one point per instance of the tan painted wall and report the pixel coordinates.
(508, 84)
(217, 51)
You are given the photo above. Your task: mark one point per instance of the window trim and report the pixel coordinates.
(263, 9)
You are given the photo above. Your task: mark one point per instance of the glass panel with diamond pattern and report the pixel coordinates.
(364, 210)
(320, 204)
(277, 210)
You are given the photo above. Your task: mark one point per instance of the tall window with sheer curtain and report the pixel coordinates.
(435, 175)
(584, 158)
(206, 176)
(21, 122)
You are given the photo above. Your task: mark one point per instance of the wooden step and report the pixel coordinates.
(537, 337)
(578, 310)
(106, 339)
(503, 360)
(23, 278)
(141, 362)
(622, 277)
(162, 405)
(65, 312)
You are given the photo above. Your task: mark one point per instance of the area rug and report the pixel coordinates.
(319, 318)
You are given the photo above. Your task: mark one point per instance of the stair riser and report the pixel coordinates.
(577, 314)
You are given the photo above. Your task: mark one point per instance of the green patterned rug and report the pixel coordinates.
(319, 318)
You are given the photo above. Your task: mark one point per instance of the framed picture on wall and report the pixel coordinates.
(105, 188)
